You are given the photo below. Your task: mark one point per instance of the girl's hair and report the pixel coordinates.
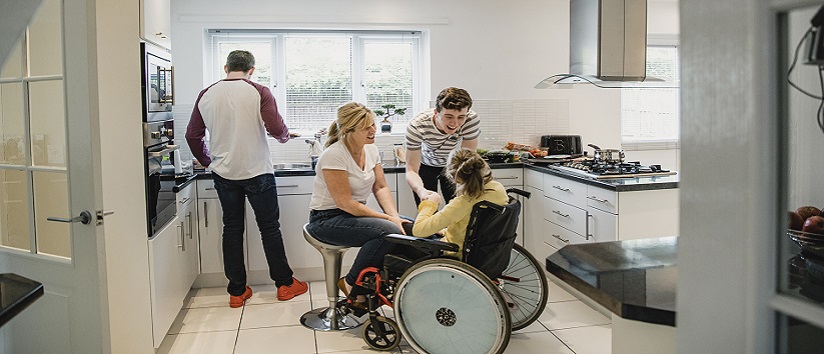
(469, 171)
(351, 116)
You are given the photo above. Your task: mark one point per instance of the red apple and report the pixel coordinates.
(795, 221)
(807, 211)
(814, 224)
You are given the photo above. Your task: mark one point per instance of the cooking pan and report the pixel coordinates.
(608, 155)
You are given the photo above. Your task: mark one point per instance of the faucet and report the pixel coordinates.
(315, 146)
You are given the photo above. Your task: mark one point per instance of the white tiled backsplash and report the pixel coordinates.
(502, 121)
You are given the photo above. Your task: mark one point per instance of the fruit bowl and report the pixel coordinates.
(807, 240)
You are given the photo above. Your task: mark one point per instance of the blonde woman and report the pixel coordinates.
(348, 171)
(473, 183)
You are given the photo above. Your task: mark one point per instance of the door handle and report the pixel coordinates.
(85, 218)
(561, 214)
(182, 244)
(205, 216)
(588, 234)
(189, 221)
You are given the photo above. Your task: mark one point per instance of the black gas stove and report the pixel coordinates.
(601, 170)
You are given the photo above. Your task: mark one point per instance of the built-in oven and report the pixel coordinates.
(159, 150)
(157, 83)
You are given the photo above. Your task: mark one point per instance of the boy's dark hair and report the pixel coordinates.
(453, 98)
(240, 60)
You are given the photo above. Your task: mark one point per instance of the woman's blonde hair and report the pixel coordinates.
(469, 172)
(351, 116)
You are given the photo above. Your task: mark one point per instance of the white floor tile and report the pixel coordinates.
(291, 339)
(269, 315)
(542, 342)
(207, 297)
(558, 294)
(569, 314)
(534, 327)
(206, 319)
(587, 340)
(199, 343)
(343, 341)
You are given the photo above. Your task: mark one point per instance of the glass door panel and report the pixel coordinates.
(12, 124)
(46, 40)
(47, 123)
(51, 197)
(14, 210)
(13, 67)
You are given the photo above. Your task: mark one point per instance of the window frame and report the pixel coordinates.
(359, 39)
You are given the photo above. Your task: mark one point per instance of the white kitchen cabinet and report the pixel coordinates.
(513, 178)
(294, 213)
(173, 262)
(210, 228)
(155, 22)
(406, 202)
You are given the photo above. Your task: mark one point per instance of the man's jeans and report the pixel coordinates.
(262, 194)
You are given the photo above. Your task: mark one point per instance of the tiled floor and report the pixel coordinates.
(266, 325)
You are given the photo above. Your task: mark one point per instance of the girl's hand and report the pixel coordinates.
(435, 197)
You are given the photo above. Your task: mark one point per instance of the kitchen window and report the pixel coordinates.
(651, 115)
(311, 73)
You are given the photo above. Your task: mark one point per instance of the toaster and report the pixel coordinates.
(562, 144)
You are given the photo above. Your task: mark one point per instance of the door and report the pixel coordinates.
(50, 168)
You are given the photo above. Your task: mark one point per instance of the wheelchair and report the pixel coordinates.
(446, 305)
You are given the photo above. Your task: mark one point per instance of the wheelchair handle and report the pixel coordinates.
(520, 192)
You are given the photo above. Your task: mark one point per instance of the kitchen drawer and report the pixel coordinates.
(206, 189)
(565, 215)
(509, 177)
(185, 196)
(602, 199)
(558, 237)
(534, 179)
(295, 185)
(565, 190)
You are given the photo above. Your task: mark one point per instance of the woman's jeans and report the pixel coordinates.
(337, 227)
(263, 198)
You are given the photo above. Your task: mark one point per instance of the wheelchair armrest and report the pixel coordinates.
(520, 192)
(425, 244)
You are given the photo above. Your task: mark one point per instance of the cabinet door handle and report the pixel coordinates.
(559, 237)
(189, 221)
(561, 214)
(605, 201)
(182, 244)
(209, 188)
(561, 188)
(184, 201)
(588, 234)
(289, 186)
(205, 215)
(510, 177)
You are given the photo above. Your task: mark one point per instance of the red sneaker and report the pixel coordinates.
(237, 301)
(288, 292)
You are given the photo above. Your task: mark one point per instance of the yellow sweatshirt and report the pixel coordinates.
(455, 215)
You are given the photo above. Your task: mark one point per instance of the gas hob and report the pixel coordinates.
(603, 170)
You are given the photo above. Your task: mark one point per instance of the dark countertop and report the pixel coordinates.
(616, 184)
(16, 293)
(387, 168)
(635, 279)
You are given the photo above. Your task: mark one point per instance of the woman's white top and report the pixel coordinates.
(337, 157)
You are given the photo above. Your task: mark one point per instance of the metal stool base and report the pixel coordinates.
(321, 319)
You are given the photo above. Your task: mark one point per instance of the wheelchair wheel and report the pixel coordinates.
(447, 306)
(381, 334)
(523, 283)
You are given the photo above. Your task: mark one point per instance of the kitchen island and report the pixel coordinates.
(633, 279)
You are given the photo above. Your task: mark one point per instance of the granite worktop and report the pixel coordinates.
(16, 293)
(635, 279)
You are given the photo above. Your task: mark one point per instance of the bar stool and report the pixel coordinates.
(329, 318)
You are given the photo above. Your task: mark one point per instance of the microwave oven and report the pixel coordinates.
(157, 83)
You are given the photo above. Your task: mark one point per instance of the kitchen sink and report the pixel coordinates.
(292, 166)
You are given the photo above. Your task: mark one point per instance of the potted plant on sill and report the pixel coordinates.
(388, 111)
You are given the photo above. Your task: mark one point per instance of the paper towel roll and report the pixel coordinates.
(178, 164)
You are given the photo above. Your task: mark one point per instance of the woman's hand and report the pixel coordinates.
(399, 221)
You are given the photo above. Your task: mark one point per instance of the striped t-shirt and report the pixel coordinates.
(435, 146)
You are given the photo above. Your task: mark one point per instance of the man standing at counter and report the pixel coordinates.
(431, 136)
(238, 113)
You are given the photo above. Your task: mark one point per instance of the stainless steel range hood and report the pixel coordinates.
(608, 43)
